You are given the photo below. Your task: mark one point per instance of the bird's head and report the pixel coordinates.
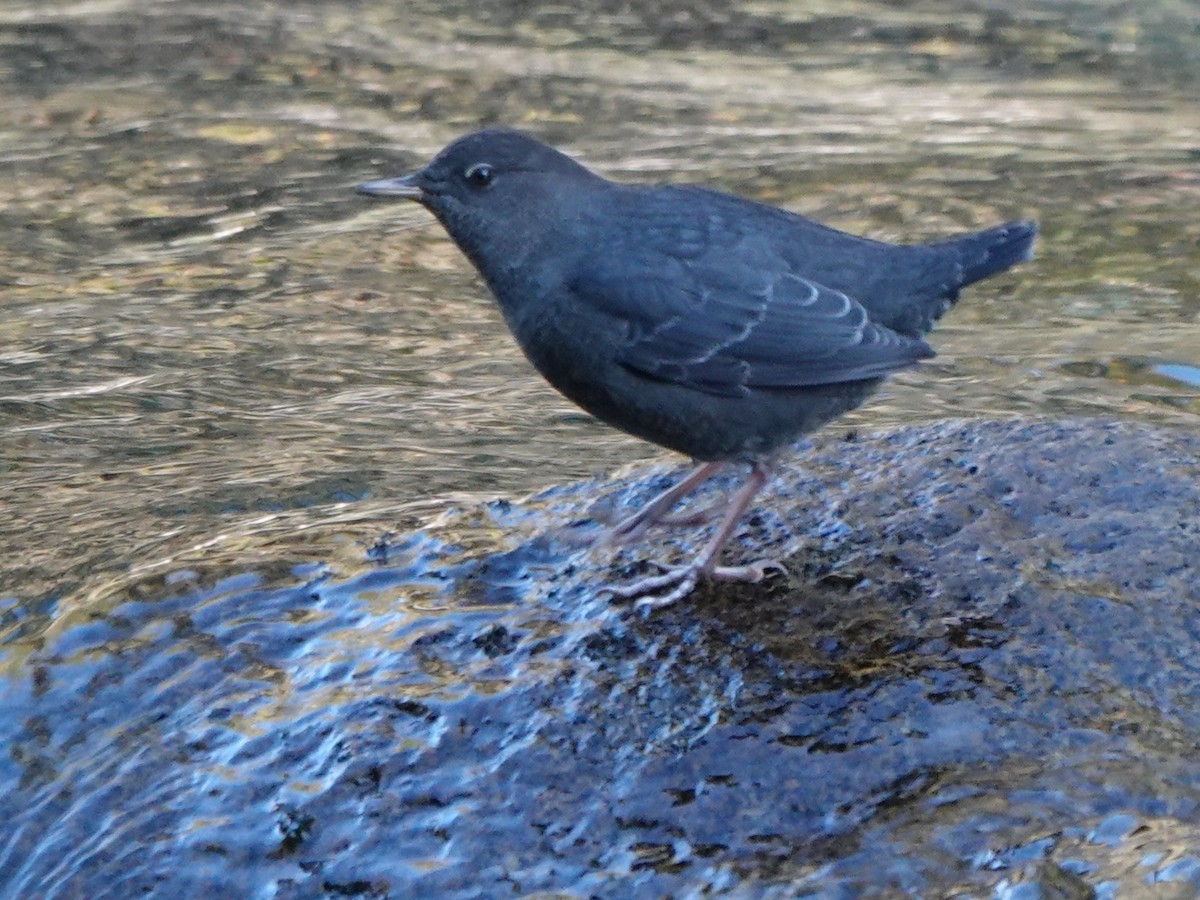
(494, 190)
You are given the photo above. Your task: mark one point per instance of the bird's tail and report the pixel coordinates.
(993, 250)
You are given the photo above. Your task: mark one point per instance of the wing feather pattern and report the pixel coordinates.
(728, 330)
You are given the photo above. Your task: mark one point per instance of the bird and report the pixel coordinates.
(712, 325)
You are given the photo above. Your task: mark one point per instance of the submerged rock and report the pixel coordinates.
(981, 677)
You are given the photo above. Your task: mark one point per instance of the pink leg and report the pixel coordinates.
(633, 527)
(679, 581)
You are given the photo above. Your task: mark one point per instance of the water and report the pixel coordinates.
(206, 331)
(216, 359)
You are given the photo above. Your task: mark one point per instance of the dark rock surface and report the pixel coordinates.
(981, 678)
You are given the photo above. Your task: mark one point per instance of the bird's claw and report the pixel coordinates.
(676, 582)
(751, 573)
(673, 583)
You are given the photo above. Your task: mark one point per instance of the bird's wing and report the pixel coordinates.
(728, 329)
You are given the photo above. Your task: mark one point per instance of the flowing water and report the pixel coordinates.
(210, 344)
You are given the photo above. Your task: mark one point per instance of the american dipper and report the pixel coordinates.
(706, 323)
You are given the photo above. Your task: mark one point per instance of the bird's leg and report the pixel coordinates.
(655, 512)
(678, 581)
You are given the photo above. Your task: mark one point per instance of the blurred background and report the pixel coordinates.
(215, 356)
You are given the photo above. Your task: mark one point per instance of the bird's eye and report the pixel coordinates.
(479, 175)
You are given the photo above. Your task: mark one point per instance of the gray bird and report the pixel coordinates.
(709, 324)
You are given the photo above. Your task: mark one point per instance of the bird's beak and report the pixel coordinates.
(406, 186)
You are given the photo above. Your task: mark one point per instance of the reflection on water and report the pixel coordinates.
(204, 327)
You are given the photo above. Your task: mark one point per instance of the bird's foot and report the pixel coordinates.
(676, 582)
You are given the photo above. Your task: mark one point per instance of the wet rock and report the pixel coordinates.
(980, 677)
